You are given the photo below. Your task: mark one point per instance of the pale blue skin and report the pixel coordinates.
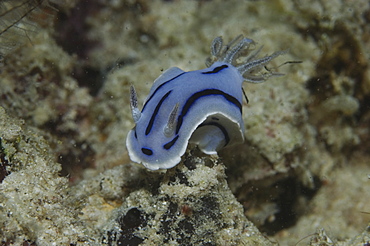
(214, 119)
(209, 138)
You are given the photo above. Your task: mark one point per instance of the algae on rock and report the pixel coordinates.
(34, 199)
(191, 204)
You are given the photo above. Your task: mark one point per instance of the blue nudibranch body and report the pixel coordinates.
(202, 107)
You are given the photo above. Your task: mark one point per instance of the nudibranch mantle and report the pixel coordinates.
(202, 107)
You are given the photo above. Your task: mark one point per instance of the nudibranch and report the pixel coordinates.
(202, 107)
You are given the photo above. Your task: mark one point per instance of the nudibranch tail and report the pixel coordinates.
(136, 114)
